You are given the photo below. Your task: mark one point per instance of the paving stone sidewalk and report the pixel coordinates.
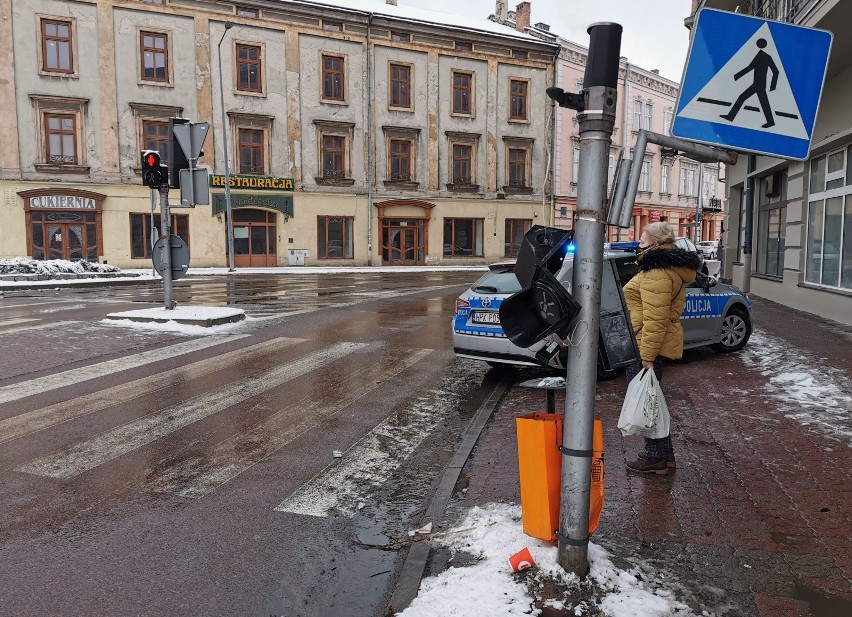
(757, 518)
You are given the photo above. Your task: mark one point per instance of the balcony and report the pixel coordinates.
(782, 10)
(712, 205)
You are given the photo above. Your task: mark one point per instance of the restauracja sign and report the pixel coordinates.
(253, 182)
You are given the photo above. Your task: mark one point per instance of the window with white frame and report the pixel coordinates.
(667, 120)
(649, 116)
(664, 179)
(637, 115)
(691, 188)
(645, 177)
(682, 190)
(829, 232)
(610, 175)
(575, 165)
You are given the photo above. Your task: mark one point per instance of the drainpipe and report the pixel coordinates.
(369, 142)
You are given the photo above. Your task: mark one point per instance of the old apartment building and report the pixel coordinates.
(801, 236)
(362, 133)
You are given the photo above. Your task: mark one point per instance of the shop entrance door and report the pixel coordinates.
(65, 241)
(401, 245)
(255, 239)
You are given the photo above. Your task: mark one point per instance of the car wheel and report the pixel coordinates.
(736, 330)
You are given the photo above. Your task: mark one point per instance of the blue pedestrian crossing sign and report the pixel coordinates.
(752, 85)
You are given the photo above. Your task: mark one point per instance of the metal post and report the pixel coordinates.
(230, 219)
(166, 247)
(697, 235)
(596, 125)
(153, 227)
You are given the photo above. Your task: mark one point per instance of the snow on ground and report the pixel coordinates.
(173, 326)
(488, 587)
(185, 313)
(819, 397)
(25, 265)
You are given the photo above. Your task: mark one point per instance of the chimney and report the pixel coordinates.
(522, 16)
(500, 11)
(391, 2)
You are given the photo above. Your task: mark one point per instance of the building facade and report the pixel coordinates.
(801, 235)
(670, 184)
(358, 132)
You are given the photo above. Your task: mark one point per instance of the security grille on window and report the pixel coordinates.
(249, 68)
(332, 156)
(251, 151)
(155, 56)
(400, 159)
(57, 55)
(462, 85)
(462, 164)
(61, 139)
(517, 167)
(829, 233)
(332, 78)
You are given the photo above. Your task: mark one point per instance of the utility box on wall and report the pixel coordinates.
(297, 256)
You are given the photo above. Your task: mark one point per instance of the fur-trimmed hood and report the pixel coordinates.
(667, 256)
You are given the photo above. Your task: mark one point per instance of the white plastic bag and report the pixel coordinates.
(644, 411)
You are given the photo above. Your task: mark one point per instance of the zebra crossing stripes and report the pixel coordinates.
(45, 417)
(226, 460)
(91, 453)
(17, 391)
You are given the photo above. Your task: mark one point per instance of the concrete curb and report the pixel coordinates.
(415, 562)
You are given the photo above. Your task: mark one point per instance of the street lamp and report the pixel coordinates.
(230, 221)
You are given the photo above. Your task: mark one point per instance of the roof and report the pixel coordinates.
(410, 13)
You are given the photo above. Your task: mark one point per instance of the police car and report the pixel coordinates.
(715, 314)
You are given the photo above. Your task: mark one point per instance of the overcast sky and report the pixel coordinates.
(654, 35)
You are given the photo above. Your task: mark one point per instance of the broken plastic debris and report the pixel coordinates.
(337, 454)
(521, 560)
(427, 528)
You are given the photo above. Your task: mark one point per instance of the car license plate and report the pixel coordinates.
(489, 317)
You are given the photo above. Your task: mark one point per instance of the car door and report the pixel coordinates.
(702, 312)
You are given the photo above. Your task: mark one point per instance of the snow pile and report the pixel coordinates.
(22, 265)
(488, 587)
(813, 395)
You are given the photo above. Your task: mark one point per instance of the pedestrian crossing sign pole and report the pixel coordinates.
(752, 84)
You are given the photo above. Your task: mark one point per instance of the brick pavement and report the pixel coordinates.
(756, 520)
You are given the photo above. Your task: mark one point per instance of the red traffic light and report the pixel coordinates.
(150, 159)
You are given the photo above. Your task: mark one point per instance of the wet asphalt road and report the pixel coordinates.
(158, 473)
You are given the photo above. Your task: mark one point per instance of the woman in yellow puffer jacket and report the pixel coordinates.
(655, 300)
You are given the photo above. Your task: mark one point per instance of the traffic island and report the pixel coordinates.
(205, 316)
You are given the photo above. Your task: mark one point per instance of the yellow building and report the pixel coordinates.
(357, 131)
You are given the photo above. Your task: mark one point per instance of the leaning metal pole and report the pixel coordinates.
(596, 121)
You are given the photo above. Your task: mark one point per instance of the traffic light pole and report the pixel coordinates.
(597, 120)
(165, 247)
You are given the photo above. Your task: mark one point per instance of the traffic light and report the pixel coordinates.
(154, 174)
(177, 159)
(543, 307)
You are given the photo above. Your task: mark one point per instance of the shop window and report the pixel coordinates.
(57, 46)
(141, 236)
(154, 48)
(463, 237)
(829, 233)
(333, 78)
(249, 68)
(514, 235)
(334, 237)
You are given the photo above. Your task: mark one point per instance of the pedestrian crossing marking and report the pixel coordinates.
(229, 458)
(720, 93)
(86, 455)
(39, 326)
(45, 417)
(23, 389)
